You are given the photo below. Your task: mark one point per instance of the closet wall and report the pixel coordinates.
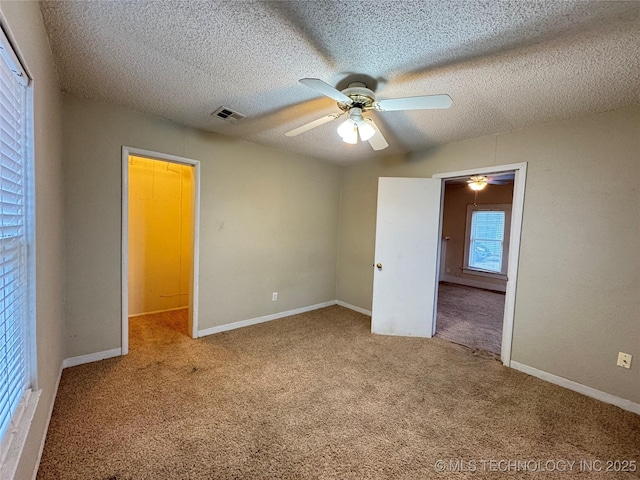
(160, 235)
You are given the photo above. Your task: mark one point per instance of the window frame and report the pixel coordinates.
(502, 207)
(14, 439)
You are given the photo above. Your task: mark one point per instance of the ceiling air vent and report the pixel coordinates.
(225, 113)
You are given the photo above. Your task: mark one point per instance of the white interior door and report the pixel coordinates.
(406, 256)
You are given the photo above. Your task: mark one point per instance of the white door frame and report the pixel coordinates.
(517, 210)
(126, 152)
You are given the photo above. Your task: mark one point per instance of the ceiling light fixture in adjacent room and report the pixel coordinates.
(477, 182)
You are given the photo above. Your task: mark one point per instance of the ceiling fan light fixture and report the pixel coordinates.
(477, 183)
(477, 186)
(351, 139)
(354, 125)
(365, 130)
(357, 98)
(348, 130)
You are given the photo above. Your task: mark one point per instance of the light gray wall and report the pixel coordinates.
(268, 222)
(25, 24)
(578, 299)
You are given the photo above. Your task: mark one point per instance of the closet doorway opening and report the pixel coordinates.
(160, 204)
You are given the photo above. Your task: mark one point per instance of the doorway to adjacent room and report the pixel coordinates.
(408, 249)
(474, 252)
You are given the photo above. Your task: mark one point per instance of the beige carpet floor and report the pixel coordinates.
(317, 396)
(470, 316)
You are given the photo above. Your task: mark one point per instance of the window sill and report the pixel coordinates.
(480, 273)
(16, 436)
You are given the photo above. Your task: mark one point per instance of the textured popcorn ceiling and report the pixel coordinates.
(505, 64)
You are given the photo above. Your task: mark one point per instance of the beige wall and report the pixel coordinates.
(578, 298)
(160, 235)
(25, 24)
(454, 222)
(268, 222)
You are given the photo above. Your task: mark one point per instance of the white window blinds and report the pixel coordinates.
(14, 307)
(486, 240)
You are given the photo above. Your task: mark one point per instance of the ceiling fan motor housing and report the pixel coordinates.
(362, 97)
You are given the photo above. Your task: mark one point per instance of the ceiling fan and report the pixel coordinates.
(357, 99)
(478, 182)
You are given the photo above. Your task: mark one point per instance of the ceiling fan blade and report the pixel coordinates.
(316, 123)
(426, 102)
(325, 89)
(503, 176)
(378, 141)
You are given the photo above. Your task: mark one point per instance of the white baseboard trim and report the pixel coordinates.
(157, 311)
(48, 421)
(473, 283)
(91, 357)
(353, 307)
(578, 387)
(266, 318)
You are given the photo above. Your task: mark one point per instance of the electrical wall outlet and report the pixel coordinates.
(274, 297)
(624, 360)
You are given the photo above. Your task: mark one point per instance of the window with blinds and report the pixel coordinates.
(487, 239)
(487, 236)
(15, 373)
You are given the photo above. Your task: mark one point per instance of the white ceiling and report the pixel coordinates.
(505, 64)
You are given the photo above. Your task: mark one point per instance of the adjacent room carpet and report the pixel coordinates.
(470, 316)
(317, 396)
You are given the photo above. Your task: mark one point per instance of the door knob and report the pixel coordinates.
(379, 266)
